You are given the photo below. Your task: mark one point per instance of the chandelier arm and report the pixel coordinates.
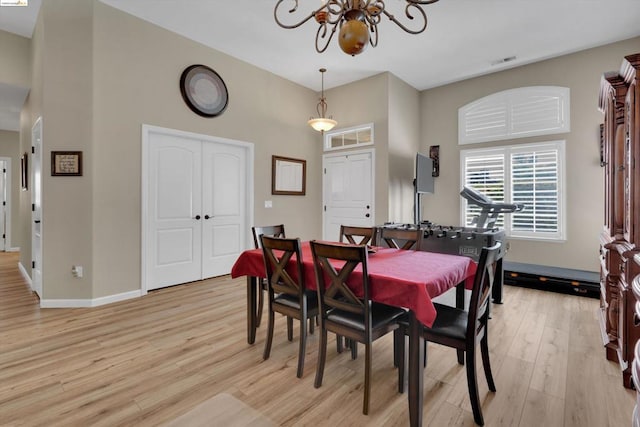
(292, 10)
(373, 40)
(422, 1)
(410, 16)
(323, 29)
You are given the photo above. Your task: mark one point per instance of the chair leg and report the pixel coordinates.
(367, 377)
(260, 305)
(396, 339)
(424, 362)
(267, 342)
(290, 328)
(354, 349)
(312, 328)
(460, 357)
(399, 351)
(484, 347)
(339, 346)
(472, 381)
(322, 356)
(303, 344)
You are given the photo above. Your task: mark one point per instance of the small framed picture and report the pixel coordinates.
(66, 163)
(288, 176)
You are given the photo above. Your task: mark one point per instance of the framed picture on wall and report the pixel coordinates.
(66, 163)
(288, 176)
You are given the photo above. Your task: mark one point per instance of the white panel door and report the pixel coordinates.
(36, 208)
(224, 207)
(175, 221)
(348, 192)
(3, 206)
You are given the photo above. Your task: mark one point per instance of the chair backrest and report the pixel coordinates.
(267, 230)
(364, 235)
(400, 238)
(481, 292)
(333, 291)
(278, 251)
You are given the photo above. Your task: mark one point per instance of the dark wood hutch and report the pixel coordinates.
(620, 237)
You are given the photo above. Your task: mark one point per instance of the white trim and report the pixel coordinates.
(14, 249)
(88, 303)
(326, 141)
(25, 275)
(146, 130)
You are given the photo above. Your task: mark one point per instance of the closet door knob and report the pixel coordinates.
(197, 216)
(207, 217)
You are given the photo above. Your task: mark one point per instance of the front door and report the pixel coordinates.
(348, 183)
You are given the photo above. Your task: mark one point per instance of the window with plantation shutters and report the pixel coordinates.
(531, 175)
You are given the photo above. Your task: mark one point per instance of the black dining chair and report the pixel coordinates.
(341, 312)
(273, 231)
(358, 235)
(464, 330)
(288, 295)
(401, 238)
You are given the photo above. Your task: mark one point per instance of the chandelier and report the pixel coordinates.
(322, 123)
(357, 21)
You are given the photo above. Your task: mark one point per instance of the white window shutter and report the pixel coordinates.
(515, 113)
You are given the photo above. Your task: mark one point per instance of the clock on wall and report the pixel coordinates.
(204, 91)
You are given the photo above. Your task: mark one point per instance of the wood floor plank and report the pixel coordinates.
(149, 360)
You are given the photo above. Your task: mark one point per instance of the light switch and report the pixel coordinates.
(268, 204)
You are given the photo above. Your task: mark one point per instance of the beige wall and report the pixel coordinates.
(15, 66)
(361, 102)
(10, 147)
(137, 68)
(98, 74)
(404, 143)
(581, 73)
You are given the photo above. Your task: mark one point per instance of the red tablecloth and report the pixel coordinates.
(397, 277)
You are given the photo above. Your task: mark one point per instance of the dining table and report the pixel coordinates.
(397, 277)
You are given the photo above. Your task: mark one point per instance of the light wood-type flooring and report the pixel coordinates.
(147, 361)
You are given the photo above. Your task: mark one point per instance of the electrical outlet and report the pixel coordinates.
(268, 204)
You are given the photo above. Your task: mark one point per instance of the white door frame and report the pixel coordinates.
(7, 208)
(371, 151)
(146, 131)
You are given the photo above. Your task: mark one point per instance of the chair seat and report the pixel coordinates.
(450, 322)
(293, 302)
(381, 314)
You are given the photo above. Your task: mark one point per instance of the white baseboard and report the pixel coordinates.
(25, 275)
(86, 303)
(13, 249)
(79, 303)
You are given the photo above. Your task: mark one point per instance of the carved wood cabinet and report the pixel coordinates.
(620, 237)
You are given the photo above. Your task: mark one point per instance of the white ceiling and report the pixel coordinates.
(463, 39)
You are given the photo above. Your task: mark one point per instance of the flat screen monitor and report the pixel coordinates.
(424, 174)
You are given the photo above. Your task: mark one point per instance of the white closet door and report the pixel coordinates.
(224, 207)
(175, 211)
